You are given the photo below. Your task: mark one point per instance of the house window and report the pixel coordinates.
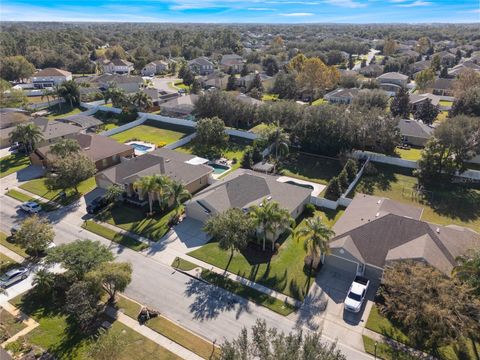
(104, 162)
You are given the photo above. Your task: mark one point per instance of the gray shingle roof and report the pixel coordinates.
(52, 129)
(84, 121)
(415, 129)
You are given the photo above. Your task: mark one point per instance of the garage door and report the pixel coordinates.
(338, 264)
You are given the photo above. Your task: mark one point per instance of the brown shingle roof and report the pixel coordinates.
(52, 72)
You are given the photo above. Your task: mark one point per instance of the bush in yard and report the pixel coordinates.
(343, 179)
(82, 304)
(112, 277)
(161, 144)
(35, 234)
(247, 159)
(351, 168)
(309, 210)
(334, 189)
(370, 170)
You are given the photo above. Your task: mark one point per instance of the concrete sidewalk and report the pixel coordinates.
(11, 254)
(124, 232)
(28, 321)
(242, 280)
(153, 335)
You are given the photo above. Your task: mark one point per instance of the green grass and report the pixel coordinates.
(445, 103)
(269, 97)
(39, 187)
(56, 335)
(182, 264)
(380, 324)
(17, 195)
(283, 271)
(64, 111)
(257, 129)
(178, 85)
(149, 134)
(442, 116)
(109, 127)
(452, 205)
(384, 351)
(170, 330)
(13, 163)
(319, 102)
(6, 263)
(109, 234)
(6, 241)
(10, 325)
(135, 220)
(248, 293)
(311, 168)
(411, 154)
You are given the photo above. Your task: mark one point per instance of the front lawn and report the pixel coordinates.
(13, 163)
(39, 187)
(182, 264)
(149, 134)
(135, 220)
(318, 169)
(319, 102)
(55, 334)
(411, 154)
(446, 103)
(109, 234)
(283, 271)
(9, 324)
(380, 324)
(9, 244)
(6, 263)
(269, 97)
(170, 330)
(62, 112)
(17, 195)
(452, 205)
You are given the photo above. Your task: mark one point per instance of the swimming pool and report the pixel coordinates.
(140, 148)
(218, 169)
(307, 186)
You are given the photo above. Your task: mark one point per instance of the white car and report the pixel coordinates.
(356, 294)
(31, 207)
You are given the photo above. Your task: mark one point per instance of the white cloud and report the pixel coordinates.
(298, 14)
(398, 1)
(417, 3)
(259, 9)
(346, 3)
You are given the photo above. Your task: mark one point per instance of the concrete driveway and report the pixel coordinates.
(16, 179)
(162, 83)
(331, 285)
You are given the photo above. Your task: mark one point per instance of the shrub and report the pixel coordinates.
(247, 160)
(370, 170)
(334, 189)
(343, 179)
(161, 144)
(351, 168)
(309, 210)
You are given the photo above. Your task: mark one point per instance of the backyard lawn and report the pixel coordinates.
(319, 102)
(311, 168)
(64, 340)
(283, 271)
(38, 187)
(150, 134)
(411, 154)
(13, 163)
(453, 205)
(380, 324)
(134, 219)
(269, 97)
(62, 112)
(446, 103)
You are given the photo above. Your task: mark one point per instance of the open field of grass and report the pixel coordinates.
(170, 330)
(311, 168)
(10, 325)
(135, 220)
(13, 163)
(7, 242)
(380, 324)
(452, 205)
(282, 271)
(62, 338)
(150, 134)
(109, 234)
(64, 111)
(411, 154)
(39, 187)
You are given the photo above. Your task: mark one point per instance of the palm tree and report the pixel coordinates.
(279, 141)
(147, 185)
(43, 281)
(115, 94)
(70, 92)
(270, 219)
(317, 237)
(29, 135)
(141, 100)
(65, 147)
(47, 94)
(163, 190)
(179, 194)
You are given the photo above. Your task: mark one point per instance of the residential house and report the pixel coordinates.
(375, 231)
(417, 99)
(414, 132)
(9, 119)
(217, 80)
(117, 66)
(231, 61)
(248, 100)
(458, 69)
(372, 70)
(201, 66)
(50, 77)
(53, 131)
(246, 81)
(86, 122)
(154, 68)
(102, 150)
(187, 169)
(341, 96)
(180, 106)
(420, 66)
(130, 84)
(392, 82)
(243, 189)
(443, 87)
(446, 58)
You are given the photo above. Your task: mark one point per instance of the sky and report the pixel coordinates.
(243, 11)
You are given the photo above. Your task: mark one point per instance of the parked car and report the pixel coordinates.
(96, 205)
(356, 294)
(31, 207)
(13, 276)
